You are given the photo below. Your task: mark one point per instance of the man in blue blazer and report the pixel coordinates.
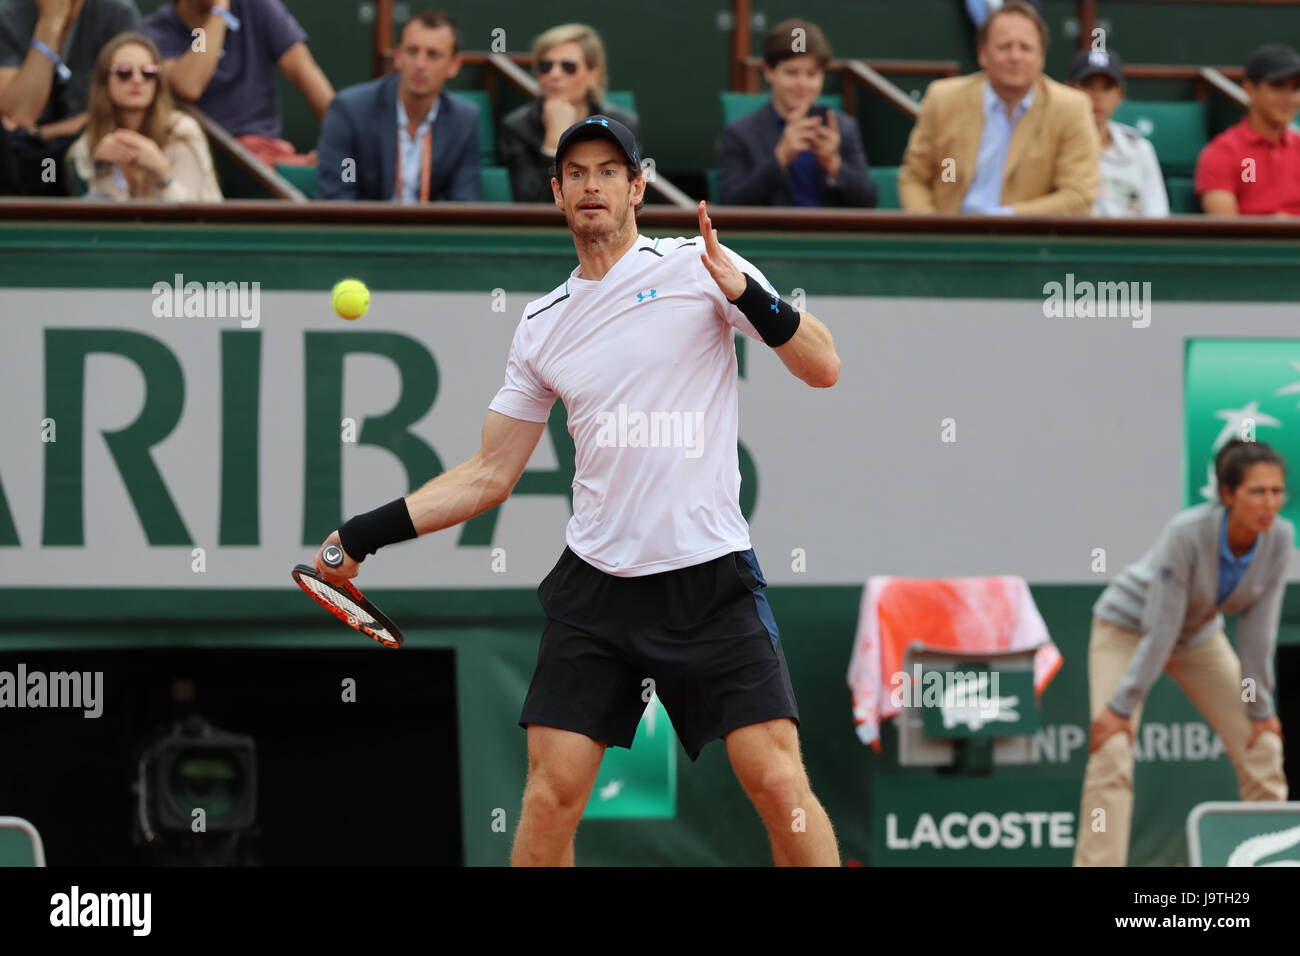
(402, 137)
(792, 152)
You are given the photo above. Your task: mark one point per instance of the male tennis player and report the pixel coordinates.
(658, 580)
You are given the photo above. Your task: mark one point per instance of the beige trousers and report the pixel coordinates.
(1210, 676)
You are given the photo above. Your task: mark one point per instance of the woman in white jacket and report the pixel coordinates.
(1165, 613)
(136, 146)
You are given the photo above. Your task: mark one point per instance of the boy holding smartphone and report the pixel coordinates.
(794, 152)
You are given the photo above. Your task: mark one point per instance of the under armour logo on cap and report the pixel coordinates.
(1099, 58)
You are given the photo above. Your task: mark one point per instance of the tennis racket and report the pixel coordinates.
(345, 602)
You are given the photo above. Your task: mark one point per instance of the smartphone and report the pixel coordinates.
(819, 109)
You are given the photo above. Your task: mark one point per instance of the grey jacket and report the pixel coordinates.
(1170, 597)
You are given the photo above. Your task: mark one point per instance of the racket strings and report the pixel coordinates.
(340, 600)
(346, 604)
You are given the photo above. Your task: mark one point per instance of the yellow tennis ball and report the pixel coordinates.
(351, 299)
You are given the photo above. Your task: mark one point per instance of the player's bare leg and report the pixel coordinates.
(562, 768)
(766, 759)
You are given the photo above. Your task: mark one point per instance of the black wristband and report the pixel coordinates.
(776, 321)
(365, 534)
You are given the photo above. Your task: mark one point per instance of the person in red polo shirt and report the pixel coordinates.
(1253, 168)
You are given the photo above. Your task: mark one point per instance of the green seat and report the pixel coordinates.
(623, 99)
(303, 178)
(20, 844)
(1177, 130)
(736, 105)
(494, 184)
(487, 134)
(886, 180)
(1182, 195)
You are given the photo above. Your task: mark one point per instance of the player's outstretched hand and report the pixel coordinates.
(348, 569)
(729, 279)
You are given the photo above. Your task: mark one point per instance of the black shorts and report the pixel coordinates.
(705, 635)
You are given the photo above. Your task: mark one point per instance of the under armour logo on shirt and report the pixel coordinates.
(642, 296)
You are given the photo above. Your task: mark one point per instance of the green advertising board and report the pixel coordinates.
(1239, 388)
(640, 783)
(923, 818)
(1244, 834)
(979, 701)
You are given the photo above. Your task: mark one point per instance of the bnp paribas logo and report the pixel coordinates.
(1239, 388)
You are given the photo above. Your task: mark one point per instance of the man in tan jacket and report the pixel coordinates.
(1006, 140)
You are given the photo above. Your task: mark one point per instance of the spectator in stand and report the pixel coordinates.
(1253, 168)
(570, 65)
(136, 146)
(403, 137)
(47, 54)
(792, 152)
(1006, 140)
(230, 75)
(1131, 182)
(979, 10)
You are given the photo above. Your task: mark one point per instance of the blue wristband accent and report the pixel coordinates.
(232, 21)
(60, 67)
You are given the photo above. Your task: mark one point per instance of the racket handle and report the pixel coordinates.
(332, 555)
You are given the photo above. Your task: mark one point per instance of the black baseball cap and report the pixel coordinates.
(598, 126)
(1088, 63)
(1272, 62)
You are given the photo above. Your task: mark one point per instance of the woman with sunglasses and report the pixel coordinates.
(136, 146)
(570, 65)
(1165, 613)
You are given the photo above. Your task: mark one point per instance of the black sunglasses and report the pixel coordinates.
(569, 66)
(147, 72)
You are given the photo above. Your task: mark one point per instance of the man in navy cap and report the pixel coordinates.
(1131, 183)
(1253, 168)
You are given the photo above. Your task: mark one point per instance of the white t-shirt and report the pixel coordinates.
(1131, 184)
(645, 362)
